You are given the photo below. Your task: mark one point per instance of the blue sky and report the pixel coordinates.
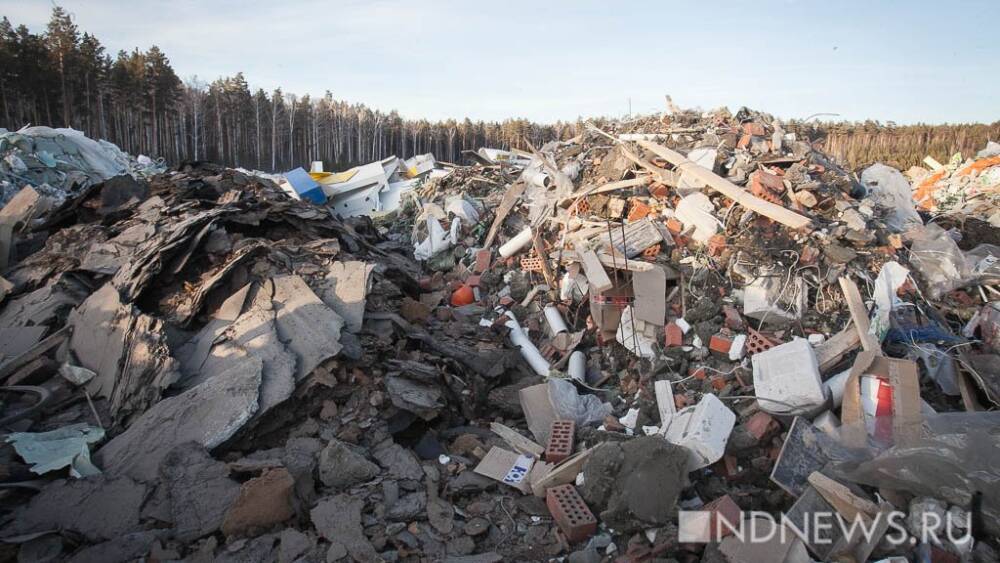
(903, 61)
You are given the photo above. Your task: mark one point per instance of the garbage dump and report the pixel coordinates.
(593, 350)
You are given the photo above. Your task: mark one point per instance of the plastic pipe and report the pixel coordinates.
(515, 244)
(528, 350)
(555, 320)
(578, 366)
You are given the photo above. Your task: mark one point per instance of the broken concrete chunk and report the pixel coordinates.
(340, 467)
(344, 290)
(310, 328)
(635, 484)
(338, 519)
(199, 489)
(398, 461)
(98, 507)
(126, 349)
(209, 414)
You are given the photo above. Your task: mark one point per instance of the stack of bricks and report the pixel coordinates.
(571, 514)
(561, 436)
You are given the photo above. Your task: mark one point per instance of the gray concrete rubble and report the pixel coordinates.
(591, 348)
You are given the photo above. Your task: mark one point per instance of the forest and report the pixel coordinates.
(63, 77)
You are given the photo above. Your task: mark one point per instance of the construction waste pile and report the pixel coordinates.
(629, 346)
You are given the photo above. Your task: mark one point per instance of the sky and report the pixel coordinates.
(901, 61)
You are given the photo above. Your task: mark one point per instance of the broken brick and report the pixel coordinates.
(716, 244)
(720, 345)
(734, 321)
(760, 425)
(673, 336)
(637, 210)
(483, 257)
(726, 514)
(570, 513)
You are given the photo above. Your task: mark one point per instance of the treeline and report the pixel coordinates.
(64, 78)
(861, 144)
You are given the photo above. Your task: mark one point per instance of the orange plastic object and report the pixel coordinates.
(462, 296)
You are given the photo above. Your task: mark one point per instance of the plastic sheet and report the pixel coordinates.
(890, 190)
(951, 456)
(568, 404)
(939, 261)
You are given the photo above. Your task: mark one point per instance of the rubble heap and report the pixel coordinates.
(543, 354)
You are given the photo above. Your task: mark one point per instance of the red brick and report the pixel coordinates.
(734, 321)
(720, 345)
(571, 514)
(757, 342)
(561, 436)
(753, 128)
(637, 210)
(723, 508)
(673, 336)
(760, 425)
(674, 226)
(697, 373)
(482, 261)
(718, 382)
(716, 244)
(659, 191)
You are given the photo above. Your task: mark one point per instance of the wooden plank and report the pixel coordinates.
(832, 350)
(594, 270)
(539, 247)
(848, 504)
(732, 191)
(519, 442)
(859, 315)
(510, 197)
(563, 473)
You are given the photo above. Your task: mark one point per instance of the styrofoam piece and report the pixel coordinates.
(664, 401)
(316, 166)
(630, 418)
(573, 287)
(816, 338)
(515, 244)
(578, 366)
(826, 422)
(555, 320)
(786, 378)
(834, 387)
(702, 429)
(528, 349)
(697, 211)
(683, 325)
(738, 348)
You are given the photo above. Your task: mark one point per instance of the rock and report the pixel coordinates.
(462, 545)
(293, 544)
(441, 515)
(300, 459)
(123, 548)
(398, 461)
(98, 507)
(338, 519)
(465, 444)
(262, 503)
(257, 550)
(636, 483)
(476, 526)
(340, 467)
(407, 507)
(414, 311)
(44, 549)
(199, 490)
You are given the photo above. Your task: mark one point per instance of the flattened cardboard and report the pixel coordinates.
(902, 375)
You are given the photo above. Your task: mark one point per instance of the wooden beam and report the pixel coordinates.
(516, 440)
(594, 270)
(859, 315)
(732, 191)
(510, 198)
(832, 351)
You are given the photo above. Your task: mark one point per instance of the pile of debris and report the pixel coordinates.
(599, 349)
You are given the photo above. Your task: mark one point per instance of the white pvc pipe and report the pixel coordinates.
(536, 178)
(515, 244)
(578, 366)
(528, 350)
(555, 320)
